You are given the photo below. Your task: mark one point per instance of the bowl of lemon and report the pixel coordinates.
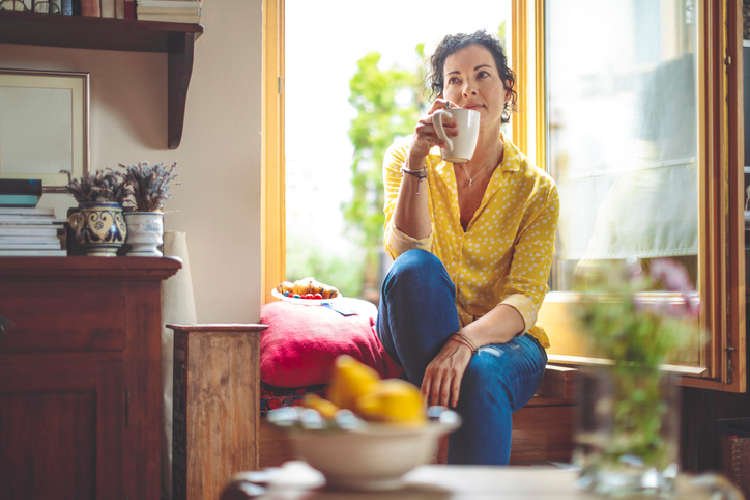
(367, 433)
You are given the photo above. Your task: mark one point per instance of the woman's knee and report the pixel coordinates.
(504, 375)
(480, 378)
(417, 268)
(415, 261)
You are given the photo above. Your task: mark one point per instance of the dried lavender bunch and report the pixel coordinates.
(150, 184)
(98, 187)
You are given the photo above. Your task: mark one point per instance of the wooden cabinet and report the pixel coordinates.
(80, 377)
(176, 39)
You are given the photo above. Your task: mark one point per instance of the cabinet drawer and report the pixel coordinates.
(39, 324)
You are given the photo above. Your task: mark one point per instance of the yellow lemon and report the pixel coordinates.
(350, 380)
(393, 400)
(326, 409)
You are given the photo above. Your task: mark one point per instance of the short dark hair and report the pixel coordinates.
(452, 44)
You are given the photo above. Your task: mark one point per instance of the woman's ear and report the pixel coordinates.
(508, 93)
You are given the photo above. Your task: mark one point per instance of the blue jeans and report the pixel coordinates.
(416, 316)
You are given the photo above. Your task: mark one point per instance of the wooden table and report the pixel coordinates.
(298, 481)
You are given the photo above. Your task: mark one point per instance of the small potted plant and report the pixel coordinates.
(150, 189)
(100, 186)
(638, 318)
(98, 226)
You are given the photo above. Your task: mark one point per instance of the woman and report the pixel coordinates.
(472, 245)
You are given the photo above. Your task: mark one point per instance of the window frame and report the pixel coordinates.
(273, 199)
(721, 227)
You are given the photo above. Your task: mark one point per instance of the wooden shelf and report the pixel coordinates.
(176, 39)
(86, 268)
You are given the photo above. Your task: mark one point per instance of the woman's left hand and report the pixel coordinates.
(442, 378)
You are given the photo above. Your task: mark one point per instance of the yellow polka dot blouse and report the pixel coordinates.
(505, 255)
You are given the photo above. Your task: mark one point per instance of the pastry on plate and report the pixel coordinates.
(307, 286)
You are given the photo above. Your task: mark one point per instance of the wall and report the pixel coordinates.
(218, 203)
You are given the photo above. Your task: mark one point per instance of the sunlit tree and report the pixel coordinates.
(388, 103)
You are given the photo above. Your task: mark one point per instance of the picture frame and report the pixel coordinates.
(44, 125)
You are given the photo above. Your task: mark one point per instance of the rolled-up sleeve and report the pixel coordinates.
(527, 283)
(395, 242)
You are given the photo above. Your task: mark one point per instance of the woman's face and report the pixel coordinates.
(471, 80)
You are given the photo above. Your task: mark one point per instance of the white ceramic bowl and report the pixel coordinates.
(372, 457)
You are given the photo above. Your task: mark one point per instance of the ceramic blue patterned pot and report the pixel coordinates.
(99, 228)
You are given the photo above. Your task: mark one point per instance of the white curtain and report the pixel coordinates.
(178, 307)
(652, 212)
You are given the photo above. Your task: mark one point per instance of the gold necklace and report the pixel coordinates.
(471, 179)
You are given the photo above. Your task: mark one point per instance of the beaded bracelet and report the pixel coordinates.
(419, 174)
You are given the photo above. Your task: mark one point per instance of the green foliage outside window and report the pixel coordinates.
(345, 273)
(388, 103)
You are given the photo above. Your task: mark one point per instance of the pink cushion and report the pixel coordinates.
(301, 343)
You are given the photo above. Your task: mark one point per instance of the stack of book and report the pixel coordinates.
(26, 229)
(29, 231)
(172, 11)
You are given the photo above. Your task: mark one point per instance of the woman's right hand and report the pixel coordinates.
(441, 384)
(425, 136)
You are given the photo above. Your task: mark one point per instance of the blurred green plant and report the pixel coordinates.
(637, 319)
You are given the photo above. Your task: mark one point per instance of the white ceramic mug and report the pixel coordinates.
(458, 149)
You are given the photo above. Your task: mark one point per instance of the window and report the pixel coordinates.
(622, 133)
(342, 112)
(646, 160)
(684, 136)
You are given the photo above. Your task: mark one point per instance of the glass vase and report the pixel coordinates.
(627, 439)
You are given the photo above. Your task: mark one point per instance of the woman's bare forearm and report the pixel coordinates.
(412, 214)
(498, 326)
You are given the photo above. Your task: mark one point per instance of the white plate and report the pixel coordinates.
(303, 302)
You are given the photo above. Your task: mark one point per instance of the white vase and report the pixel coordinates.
(145, 233)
